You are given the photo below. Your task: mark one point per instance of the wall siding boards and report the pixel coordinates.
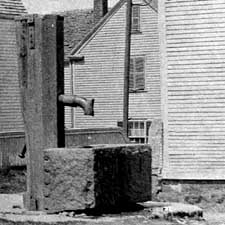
(100, 76)
(11, 7)
(10, 112)
(193, 83)
(68, 91)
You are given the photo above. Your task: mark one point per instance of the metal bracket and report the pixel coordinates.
(31, 30)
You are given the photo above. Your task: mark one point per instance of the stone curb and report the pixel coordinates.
(168, 210)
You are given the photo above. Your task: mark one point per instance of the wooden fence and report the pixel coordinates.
(12, 143)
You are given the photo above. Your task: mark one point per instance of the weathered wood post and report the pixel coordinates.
(41, 76)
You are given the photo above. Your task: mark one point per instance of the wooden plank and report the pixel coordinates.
(208, 110)
(196, 48)
(197, 94)
(202, 53)
(195, 79)
(211, 21)
(204, 153)
(186, 40)
(179, 174)
(194, 17)
(195, 11)
(193, 98)
(199, 7)
(197, 45)
(193, 26)
(194, 84)
(175, 4)
(196, 122)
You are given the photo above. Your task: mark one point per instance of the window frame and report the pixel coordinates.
(138, 17)
(137, 134)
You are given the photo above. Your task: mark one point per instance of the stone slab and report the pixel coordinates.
(11, 203)
(63, 220)
(101, 177)
(168, 210)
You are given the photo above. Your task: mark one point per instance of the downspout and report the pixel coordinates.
(127, 67)
(72, 93)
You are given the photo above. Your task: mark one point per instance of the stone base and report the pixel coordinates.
(96, 177)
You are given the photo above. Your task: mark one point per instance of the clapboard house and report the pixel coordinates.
(10, 114)
(77, 22)
(193, 88)
(96, 69)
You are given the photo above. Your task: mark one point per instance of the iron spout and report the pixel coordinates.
(75, 101)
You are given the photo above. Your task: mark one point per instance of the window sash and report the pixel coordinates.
(135, 18)
(138, 130)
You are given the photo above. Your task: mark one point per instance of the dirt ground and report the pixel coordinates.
(14, 181)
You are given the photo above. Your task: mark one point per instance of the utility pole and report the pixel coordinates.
(127, 67)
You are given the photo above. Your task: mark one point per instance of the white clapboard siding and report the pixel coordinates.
(100, 76)
(193, 88)
(67, 91)
(10, 110)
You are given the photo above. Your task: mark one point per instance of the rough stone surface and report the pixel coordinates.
(155, 139)
(96, 177)
(135, 173)
(68, 179)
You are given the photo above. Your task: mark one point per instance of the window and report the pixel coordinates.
(135, 19)
(137, 74)
(138, 130)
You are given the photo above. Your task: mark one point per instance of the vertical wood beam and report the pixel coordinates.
(41, 78)
(127, 67)
(164, 84)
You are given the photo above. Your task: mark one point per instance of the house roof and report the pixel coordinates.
(77, 24)
(152, 3)
(12, 7)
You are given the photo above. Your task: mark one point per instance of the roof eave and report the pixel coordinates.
(97, 26)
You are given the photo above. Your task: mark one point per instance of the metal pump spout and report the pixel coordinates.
(74, 101)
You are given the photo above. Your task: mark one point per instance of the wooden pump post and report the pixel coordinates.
(41, 77)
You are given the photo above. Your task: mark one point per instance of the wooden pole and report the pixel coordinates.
(41, 75)
(127, 67)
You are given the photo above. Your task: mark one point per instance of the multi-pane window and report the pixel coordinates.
(137, 74)
(138, 130)
(135, 19)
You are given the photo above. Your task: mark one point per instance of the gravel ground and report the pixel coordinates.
(15, 182)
